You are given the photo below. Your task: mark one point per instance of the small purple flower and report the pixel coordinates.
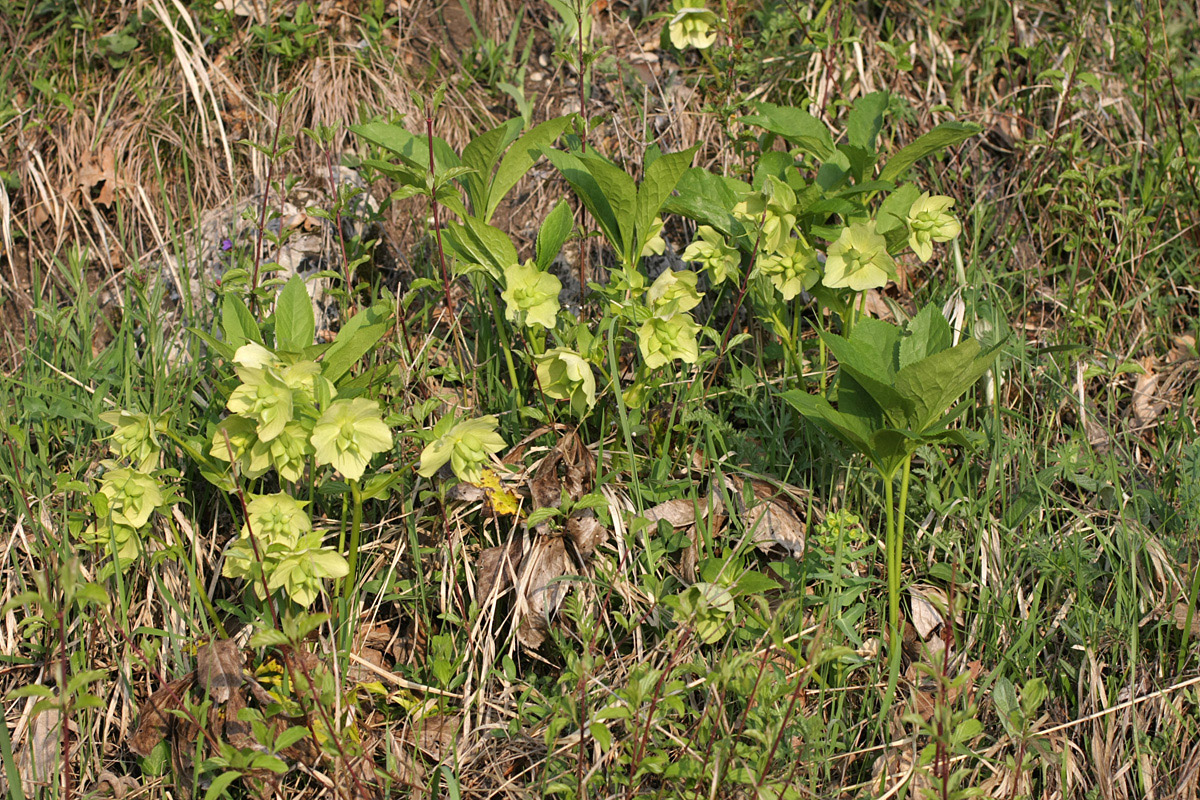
(226, 245)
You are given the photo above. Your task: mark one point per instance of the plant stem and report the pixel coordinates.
(437, 221)
(355, 530)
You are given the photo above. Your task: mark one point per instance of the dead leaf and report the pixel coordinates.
(1179, 614)
(1146, 406)
(237, 733)
(541, 589)
(37, 760)
(771, 522)
(219, 668)
(586, 532)
(494, 573)
(677, 513)
(928, 606)
(110, 784)
(440, 736)
(545, 487)
(154, 717)
(100, 173)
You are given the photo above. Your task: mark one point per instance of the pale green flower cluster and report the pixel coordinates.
(277, 423)
(564, 375)
(278, 549)
(859, 259)
(530, 296)
(714, 254)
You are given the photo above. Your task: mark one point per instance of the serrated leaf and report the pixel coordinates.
(660, 180)
(945, 135)
(524, 152)
(295, 325)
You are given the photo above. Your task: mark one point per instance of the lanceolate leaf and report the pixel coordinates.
(237, 323)
(801, 129)
(294, 321)
(865, 119)
(945, 135)
(660, 180)
(481, 154)
(588, 191)
(519, 158)
(355, 338)
(621, 192)
(707, 198)
(554, 232)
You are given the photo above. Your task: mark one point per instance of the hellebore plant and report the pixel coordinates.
(792, 268)
(714, 254)
(530, 296)
(859, 260)
(896, 390)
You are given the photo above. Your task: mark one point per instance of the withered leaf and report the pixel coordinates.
(439, 736)
(586, 532)
(154, 717)
(494, 572)
(219, 668)
(678, 513)
(541, 589)
(770, 520)
(37, 760)
(545, 487)
(237, 733)
(580, 471)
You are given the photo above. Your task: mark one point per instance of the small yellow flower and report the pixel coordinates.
(348, 434)
(673, 293)
(792, 269)
(859, 259)
(564, 375)
(661, 341)
(710, 249)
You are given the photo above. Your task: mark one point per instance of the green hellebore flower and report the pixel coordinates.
(530, 296)
(117, 540)
(563, 375)
(135, 437)
(710, 249)
(251, 457)
(265, 398)
(466, 446)
(673, 293)
(276, 520)
(661, 341)
(929, 221)
(287, 452)
(300, 572)
(859, 259)
(792, 269)
(774, 208)
(132, 496)
(348, 434)
(692, 25)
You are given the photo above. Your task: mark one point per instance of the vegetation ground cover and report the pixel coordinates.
(765, 399)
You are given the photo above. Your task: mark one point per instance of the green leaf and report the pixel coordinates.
(295, 325)
(620, 191)
(707, 199)
(1004, 695)
(553, 234)
(290, 737)
(396, 139)
(893, 213)
(520, 157)
(852, 430)
(945, 135)
(933, 384)
(925, 334)
(481, 154)
(589, 193)
(268, 638)
(801, 129)
(354, 339)
(865, 120)
(1033, 694)
(660, 180)
(218, 788)
(237, 323)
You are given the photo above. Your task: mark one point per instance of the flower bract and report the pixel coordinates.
(466, 446)
(773, 208)
(135, 437)
(692, 25)
(564, 375)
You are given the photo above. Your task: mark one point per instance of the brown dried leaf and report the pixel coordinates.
(358, 673)
(678, 513)
(101, 173)
(37, 760)
(237, 733)
(772, 522)
(545, 487)
(580, 466)
(586, 532)
(440, 737)
(154, 717)
(928, 607)
(494, 573)
(1179, 614)
(541, 590)
(219, 668)
(1146, 406)
(109, 784)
